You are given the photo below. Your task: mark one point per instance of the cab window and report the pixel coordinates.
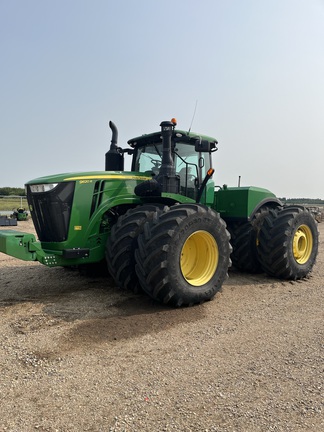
(149, 158)
(189, 163)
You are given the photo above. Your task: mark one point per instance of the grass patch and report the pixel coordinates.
(8, 203)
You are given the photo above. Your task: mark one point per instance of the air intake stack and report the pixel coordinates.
(167, 178)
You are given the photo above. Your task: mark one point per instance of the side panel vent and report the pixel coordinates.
(97, 196)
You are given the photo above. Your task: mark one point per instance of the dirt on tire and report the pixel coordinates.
(79, 354)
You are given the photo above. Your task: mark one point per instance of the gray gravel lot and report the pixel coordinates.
(77, 354)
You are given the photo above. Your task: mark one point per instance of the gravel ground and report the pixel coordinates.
(77, 354)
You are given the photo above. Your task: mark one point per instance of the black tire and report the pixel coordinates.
(244, 241)
(288, 243)
(122, 243)
(183, 255)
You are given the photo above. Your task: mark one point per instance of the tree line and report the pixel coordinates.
(7, 191)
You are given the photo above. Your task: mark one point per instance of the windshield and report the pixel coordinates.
(189, 164)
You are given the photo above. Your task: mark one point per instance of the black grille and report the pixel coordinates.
(51, 211)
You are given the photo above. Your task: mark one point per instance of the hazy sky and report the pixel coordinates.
(256, 68)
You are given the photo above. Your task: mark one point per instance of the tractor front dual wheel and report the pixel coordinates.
(183, 255)
(122, 242)
(288, 243)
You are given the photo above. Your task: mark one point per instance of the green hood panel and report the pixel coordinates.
(88, 177)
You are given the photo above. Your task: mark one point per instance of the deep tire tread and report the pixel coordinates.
(155, 247)
(122, 243)
(244, 239)
(276, 237)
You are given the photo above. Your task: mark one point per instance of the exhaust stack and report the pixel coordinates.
(114, 158)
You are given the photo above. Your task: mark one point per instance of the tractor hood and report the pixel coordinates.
(87, 177)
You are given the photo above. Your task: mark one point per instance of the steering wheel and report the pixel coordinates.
(157, 163)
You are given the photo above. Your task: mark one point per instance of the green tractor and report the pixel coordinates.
(20, 214)
(163, 227)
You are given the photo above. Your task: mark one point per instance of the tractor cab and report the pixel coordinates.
(188, 156)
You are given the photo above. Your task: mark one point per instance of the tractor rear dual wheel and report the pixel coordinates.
(183, 255)
(244, 240)
(288, 243)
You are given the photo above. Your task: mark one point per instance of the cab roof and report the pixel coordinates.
(177, 135)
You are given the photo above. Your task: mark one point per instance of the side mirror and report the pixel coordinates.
(203, 146)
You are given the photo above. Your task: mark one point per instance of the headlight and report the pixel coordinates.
(46, 187)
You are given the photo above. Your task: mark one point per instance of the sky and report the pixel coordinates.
(248, 72)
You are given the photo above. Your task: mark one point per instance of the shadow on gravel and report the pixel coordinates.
(41, 284)
(239, 278)
(66, 293)
(236, 277)
(97, 310)
(135, 320)
(69, 295)
(91, 311)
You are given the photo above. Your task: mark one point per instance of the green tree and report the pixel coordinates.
(12, 191)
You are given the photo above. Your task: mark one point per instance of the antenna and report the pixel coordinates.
(193, 115)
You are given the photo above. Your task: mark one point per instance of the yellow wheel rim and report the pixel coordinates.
(302, 244)
(199, 258)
